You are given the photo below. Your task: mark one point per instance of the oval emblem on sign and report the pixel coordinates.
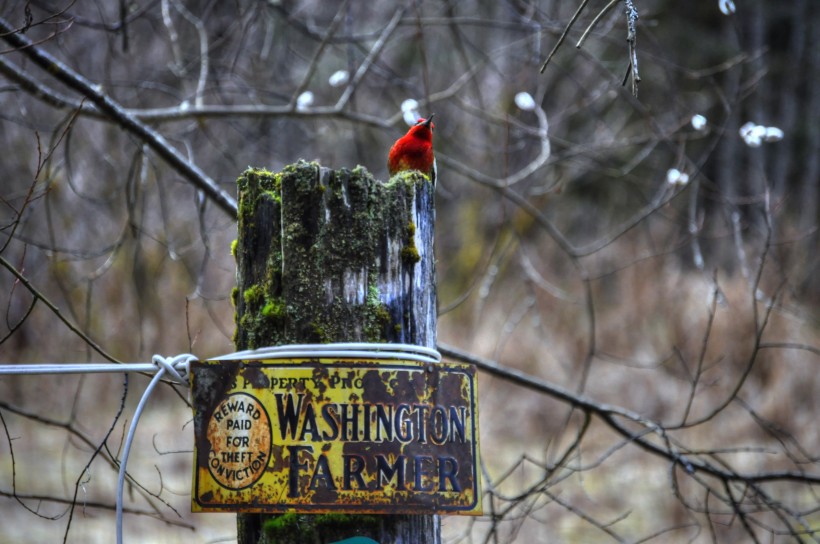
(239, 433)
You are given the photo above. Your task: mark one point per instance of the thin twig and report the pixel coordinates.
(370, 59)
(595, 22)
(314, 62)
(564, 34)
(631, 38)
(56, 311)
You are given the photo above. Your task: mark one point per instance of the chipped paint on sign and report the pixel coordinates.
(329, 435)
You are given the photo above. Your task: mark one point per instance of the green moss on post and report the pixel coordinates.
(309, 528)
(334, 256)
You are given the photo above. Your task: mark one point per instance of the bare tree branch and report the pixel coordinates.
(117, 113)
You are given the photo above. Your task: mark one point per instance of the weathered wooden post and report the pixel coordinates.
(334, 256)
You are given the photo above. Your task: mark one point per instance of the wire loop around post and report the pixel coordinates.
(173, 365)
(345, 350)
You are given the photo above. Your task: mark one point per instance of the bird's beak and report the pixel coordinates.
(429, 120)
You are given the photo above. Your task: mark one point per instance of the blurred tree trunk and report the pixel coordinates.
(808, 192)
(787, 90)
(340, 257)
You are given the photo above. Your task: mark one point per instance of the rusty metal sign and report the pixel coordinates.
(335, 435)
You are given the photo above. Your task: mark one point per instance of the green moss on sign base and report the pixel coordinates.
(310, 528)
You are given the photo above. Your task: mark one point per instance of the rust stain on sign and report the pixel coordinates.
(322, 435)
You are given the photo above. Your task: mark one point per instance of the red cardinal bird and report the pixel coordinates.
(414, 150)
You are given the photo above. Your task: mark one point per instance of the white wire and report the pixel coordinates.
(356, 350)
(81, 368)
(172, 366)
(340, 350)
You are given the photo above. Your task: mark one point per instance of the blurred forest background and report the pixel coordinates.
(633, 263)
